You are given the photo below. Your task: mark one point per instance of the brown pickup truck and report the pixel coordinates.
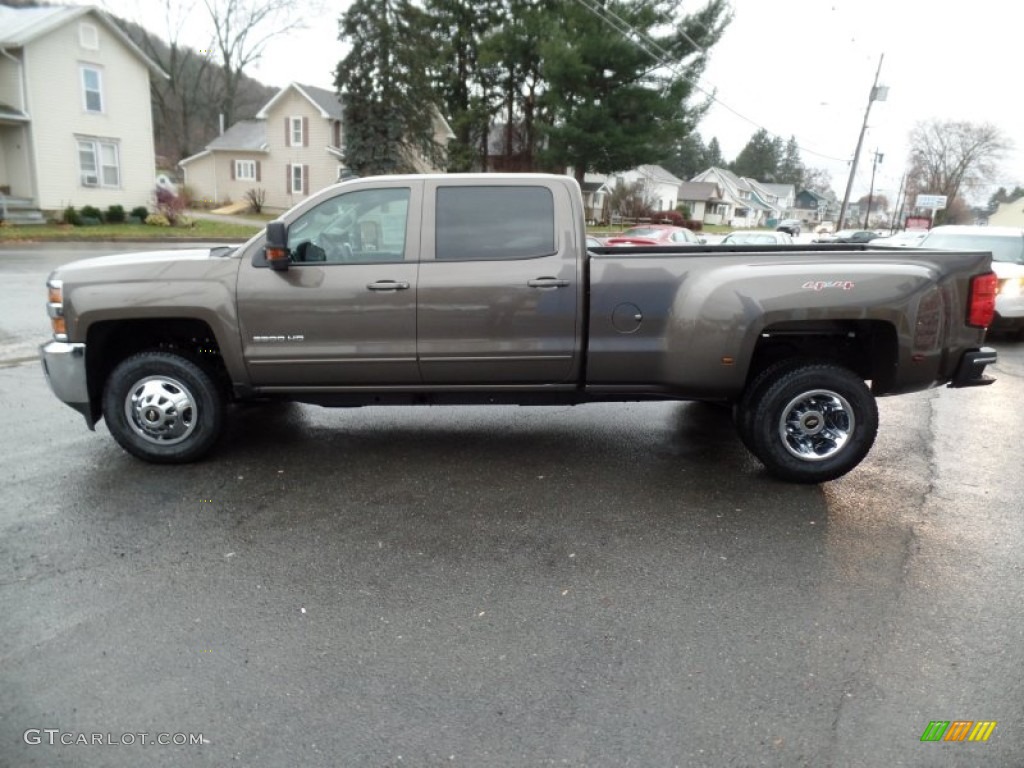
(455, 289)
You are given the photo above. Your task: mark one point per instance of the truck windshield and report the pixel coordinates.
(1007, 248)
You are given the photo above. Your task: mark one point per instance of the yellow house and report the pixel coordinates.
(75, 122)
(292, 148)
(1008, 214)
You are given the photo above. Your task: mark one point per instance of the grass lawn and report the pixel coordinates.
(201, 230)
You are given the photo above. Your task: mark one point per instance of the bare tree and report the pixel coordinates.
(950, 157)
(241, 31)
(179, 110)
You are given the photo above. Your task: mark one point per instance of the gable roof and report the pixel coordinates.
(23, 25)
(699, 190)
(248, 135)
(658, 174)
(780, 190)
(325, 101)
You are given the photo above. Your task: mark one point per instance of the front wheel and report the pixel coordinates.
(813, 423)
(163, 408)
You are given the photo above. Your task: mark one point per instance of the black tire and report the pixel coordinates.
(743, 411)
(813, 423)
(163, 408)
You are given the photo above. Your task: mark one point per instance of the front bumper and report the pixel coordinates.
(971, 371)
(64, 366)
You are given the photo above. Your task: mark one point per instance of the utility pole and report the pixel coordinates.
(877, 94)
(871, 189)
(898, 205)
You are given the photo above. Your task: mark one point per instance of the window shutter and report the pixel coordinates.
(287, 133)
(287, 179)
(305, 131)
(305, 179)
(257, 170)
(234, 165)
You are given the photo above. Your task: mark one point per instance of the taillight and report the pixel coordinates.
(981, 306)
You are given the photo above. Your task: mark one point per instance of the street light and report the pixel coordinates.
(878, 93)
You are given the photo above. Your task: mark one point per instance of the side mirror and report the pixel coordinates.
(276, 249)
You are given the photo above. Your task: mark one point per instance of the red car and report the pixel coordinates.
(654, 234)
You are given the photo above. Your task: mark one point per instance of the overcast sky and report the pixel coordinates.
(797, 67)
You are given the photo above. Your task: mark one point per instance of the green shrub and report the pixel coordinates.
(71, 216)
(114, 215)
(91, 212)
(140, 212)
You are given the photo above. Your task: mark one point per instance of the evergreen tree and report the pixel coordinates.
(714, 158)
(613, 103)
(791, 167)
(759, 159)
(688, 158)
(460, 80)
(389, 112)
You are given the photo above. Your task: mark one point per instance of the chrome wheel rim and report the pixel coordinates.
(161, 410)
(816, 425)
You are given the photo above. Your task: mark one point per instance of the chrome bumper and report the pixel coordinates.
(64, 366)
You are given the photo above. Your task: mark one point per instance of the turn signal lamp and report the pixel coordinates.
(55, 309)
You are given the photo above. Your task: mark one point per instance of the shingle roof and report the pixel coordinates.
(698, 190)
(328, 101)
(248, 135)
(657, 173)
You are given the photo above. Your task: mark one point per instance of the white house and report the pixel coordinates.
(661, 188)
(75, 119)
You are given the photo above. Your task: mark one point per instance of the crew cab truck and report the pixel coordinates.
(454, 289)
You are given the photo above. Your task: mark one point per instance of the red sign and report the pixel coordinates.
(917, 222)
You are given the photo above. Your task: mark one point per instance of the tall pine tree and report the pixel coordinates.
(388, 121)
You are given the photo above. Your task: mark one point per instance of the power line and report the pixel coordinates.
(646, 44)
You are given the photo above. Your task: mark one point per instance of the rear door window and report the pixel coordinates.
(494, 223)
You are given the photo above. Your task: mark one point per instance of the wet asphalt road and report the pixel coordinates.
(613, 585)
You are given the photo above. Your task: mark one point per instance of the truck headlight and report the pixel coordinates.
(55, 309)
(1012, 287)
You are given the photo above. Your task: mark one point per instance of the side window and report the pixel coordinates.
(489, 223)
(362, 227)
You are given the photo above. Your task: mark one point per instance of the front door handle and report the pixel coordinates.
(388, 285)
(547, 282)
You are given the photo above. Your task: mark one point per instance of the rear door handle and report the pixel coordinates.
(388, 285)
(547, 282)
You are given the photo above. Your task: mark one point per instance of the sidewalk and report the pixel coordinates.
(206, 216)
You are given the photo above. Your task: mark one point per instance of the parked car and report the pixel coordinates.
(790, 227)
(908, 238)
(758, 238)
(850, 236)
(595, 242)
(1007, 247)
(655, 234)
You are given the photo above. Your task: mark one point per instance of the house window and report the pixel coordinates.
(98, 163)
(245, 170)
(298, 178)
(92, 89)
(295, 132)
(88, 36)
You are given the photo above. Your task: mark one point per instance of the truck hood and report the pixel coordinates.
(151, 257)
